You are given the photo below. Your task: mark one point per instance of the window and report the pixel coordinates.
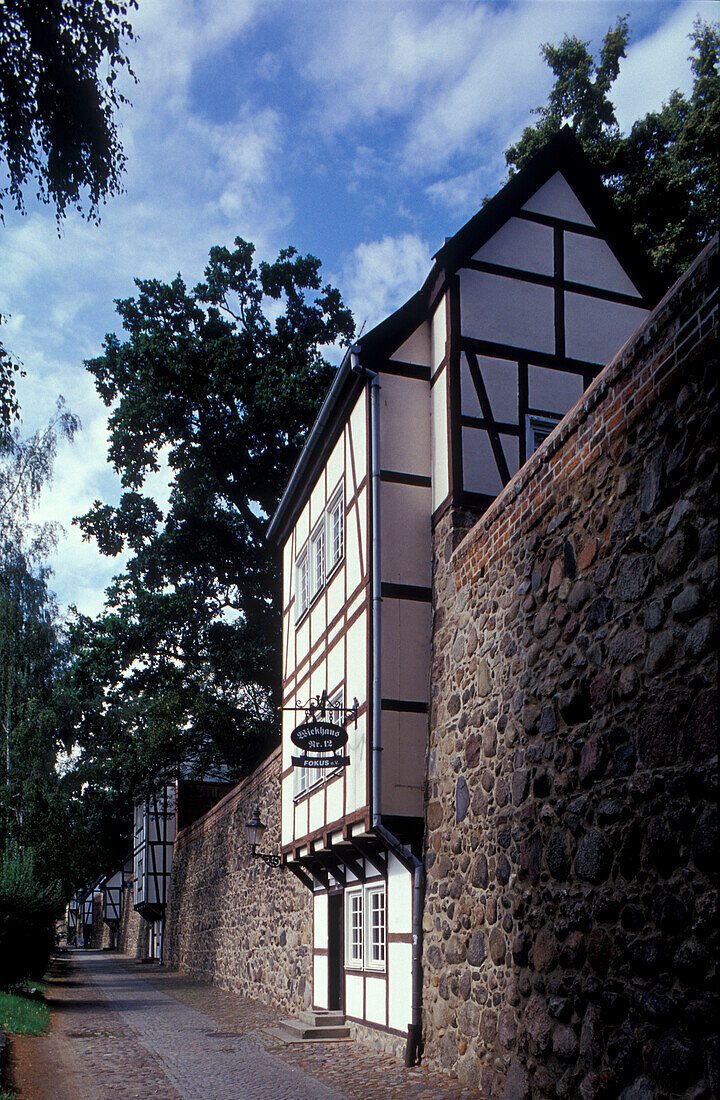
(320, 556)
(335, 531)
(365, 927)
(317, 559)
(538, 428)
(376, 930)
(301, 585)
(355, 928)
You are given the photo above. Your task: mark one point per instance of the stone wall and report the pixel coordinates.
(134, 934)
(231, 919)
(570, 927)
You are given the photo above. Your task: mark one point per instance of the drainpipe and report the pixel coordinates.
(404, 853)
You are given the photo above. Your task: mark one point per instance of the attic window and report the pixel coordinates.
(538, 428)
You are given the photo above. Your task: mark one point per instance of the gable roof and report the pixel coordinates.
(564, 154)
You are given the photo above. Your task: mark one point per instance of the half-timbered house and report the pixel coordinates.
(112, 900)
(153, 836)
(435, 409)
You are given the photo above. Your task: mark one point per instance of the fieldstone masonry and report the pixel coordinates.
(231, 919)
(570, 929)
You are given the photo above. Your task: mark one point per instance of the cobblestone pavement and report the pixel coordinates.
(351, 1068)
(126, 1031)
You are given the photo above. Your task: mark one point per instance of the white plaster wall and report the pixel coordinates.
(399, 904)
(400, 988)
(501, 382)
(595, 330)
(404, 738)
(405, 628)
(356, 562)
(301, 818)
(438, 333)
(356, 779)
(553, 390)
(375, 998)
(416, 348)
(317, 809)
(320, 920)
(525, 245)
(320, 981)
(590, 260)
(336, 465)
(405, 534)
(557, 199)
(354, 995)
(439, 440)
(404, 424)
(480, 472)
(507, 311)
(335, 799)
(356, 434)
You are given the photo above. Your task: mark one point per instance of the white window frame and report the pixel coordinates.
(317, 560)
(354, 932)
(539, 422)
(372, 953)
(335, 547)
(302, 585)
(375, 947)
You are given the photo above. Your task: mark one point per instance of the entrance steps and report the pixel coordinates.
(313, 1027)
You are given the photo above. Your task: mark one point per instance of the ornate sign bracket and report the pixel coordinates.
(319, 737)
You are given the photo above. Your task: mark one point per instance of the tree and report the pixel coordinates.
(222, 383)
(664, 174)
(59, 68)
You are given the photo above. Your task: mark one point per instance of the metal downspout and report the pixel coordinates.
(414, 1039)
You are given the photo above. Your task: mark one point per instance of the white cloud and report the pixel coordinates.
(383, 274)
(657, 65)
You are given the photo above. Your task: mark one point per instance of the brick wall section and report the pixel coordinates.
(570, 931)
(232, 920)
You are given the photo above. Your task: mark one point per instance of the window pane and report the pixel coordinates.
(377, 927)
(355, 938)
(335, 531)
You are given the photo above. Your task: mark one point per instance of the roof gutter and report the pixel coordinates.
(316, 433)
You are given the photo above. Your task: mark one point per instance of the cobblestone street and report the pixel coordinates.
(126, 1031)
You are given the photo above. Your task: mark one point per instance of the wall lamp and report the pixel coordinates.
(255, 830)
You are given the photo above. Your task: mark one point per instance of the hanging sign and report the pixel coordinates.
(320, 761)
(321, 738)
(319, 735)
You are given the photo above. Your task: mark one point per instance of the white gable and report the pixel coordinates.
(557, 199)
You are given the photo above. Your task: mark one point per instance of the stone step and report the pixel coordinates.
(322, 1018)
(313, 1027)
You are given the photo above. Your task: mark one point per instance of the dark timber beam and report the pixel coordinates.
(372, 855)
(306, 880)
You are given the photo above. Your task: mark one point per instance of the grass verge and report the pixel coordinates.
(22, 1015)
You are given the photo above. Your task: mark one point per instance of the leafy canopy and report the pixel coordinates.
(59, 66)
(217, 385)
(664, 175)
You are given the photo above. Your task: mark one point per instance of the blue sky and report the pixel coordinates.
(363, 131)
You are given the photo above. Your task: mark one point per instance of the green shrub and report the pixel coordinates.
(27, 917)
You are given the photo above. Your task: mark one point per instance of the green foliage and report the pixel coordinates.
(221, 384)
(664, 175)
(59, 67)
(21, 1014)
(27, 917)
